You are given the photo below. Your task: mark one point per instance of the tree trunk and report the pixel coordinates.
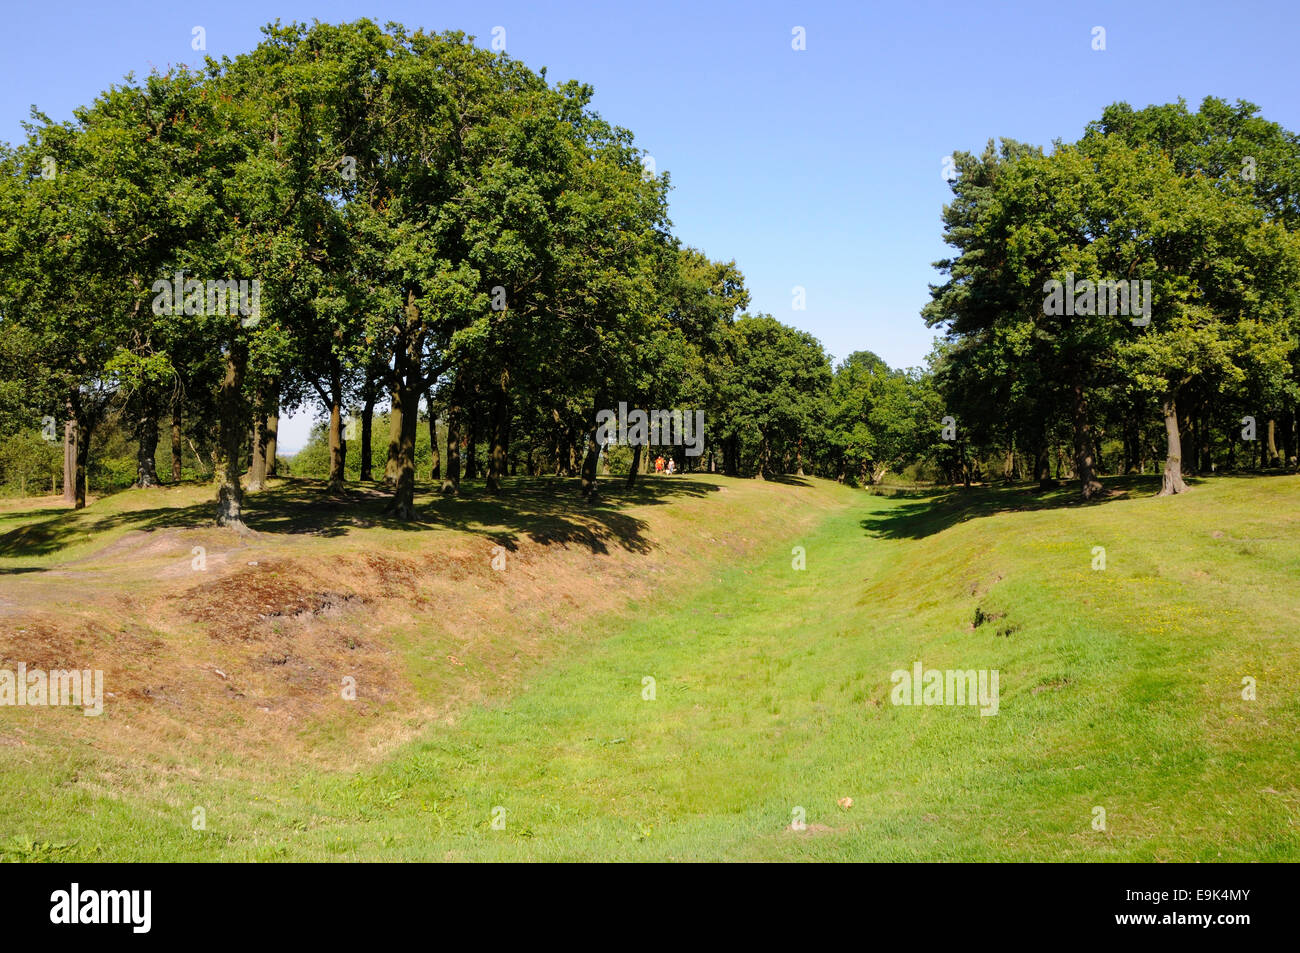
(84, 429)
(451, 482)
(731, 456)
(1084, 463)
(406, 399)
(764, 452)
(435, 472)
(1043, 467)
(636, 462)
(573, 456)
(469, 438)
(146, 435)
(589, 487)
(557, 444)
(1272, 442)
(230, 441)
(1288, 436)
(1173, 478)
(500, 437)
(176, 439)
(257, 461)
(84, 419)
(394, 442)
(367, 432)
(70, 461)
(338, 445)
(272, 428)
(1132, 442)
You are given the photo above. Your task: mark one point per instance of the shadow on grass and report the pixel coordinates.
(549, 511)
(938, 508)
(935, 510)
(788, 479)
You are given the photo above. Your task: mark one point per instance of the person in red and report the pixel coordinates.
(659, 464)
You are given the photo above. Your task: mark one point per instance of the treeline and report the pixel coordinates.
(459, 265)
(369, 219)
(345, 214)
(772, 406)
(1140, 288)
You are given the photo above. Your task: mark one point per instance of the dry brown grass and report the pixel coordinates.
(245, 660)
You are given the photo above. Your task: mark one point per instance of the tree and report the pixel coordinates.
(1098, 264)
(776, 381)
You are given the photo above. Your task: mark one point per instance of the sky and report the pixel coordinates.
(818, 168)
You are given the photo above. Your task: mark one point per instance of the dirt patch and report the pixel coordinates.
(246, 605)
(979, 587)
(982, 616)
(289, 649)
(139, 544)
(1051, 686)
(68, 643)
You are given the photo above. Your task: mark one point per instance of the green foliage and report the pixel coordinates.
(773, 387)
(23, 849)
(878, 419)
(29, 464)
(1143, 690)
(1155, 196)
(313, 460)
(432, 222)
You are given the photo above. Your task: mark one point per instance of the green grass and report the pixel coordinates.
(1119, 688)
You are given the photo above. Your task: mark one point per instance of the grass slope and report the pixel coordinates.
(1120, 688)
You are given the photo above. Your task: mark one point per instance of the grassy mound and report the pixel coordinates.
(653, 678)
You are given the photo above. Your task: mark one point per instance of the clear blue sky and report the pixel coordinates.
(819, 168)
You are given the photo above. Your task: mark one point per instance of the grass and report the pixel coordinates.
(1120, 688)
